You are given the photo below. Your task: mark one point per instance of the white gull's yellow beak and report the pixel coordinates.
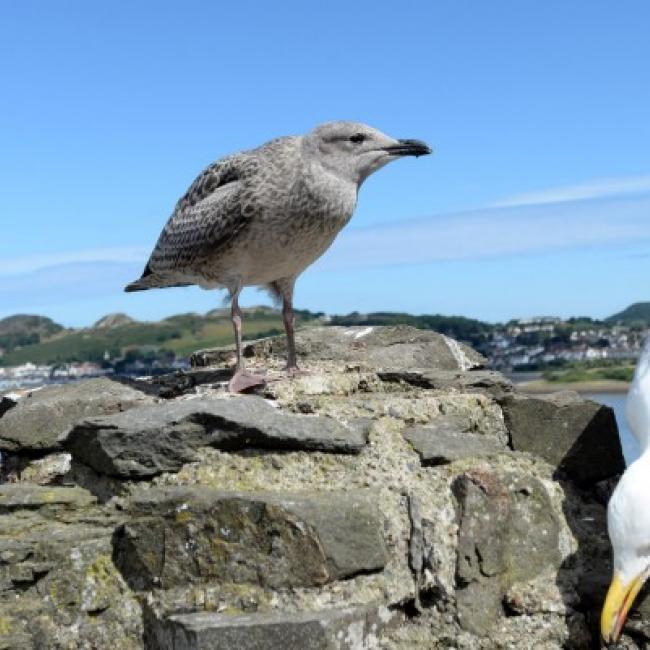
(620, 597)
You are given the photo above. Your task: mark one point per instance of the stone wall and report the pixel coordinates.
(396, 495)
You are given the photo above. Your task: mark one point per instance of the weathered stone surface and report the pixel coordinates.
(154, 439)
(49, 470)
(492, 551)
(183, 382)
(6, 403)
(76, 600)
(480, 381)
(448, 439)
(181, 535)
(590, 566)
(25, 495)
(576, 435)
(507, 533)
(342, 628)
(58, 585)
(35, 424)
(416, 545)
(374, 347)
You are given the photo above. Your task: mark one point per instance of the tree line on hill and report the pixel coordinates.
(40, 340)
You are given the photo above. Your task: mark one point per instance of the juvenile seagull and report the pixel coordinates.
(628, 512)
(261, 217)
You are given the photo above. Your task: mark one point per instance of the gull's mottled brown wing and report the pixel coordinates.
(206, 218)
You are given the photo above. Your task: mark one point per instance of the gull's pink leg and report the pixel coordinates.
(284, 288)
(242, 379)
(289, 326)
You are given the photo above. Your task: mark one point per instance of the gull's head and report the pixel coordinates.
(628, 522)
(354, 150)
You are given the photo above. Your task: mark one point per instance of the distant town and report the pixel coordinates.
(32, 375)
(536, 343)
(35, 351)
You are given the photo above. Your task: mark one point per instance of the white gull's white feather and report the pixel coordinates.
(628, 511)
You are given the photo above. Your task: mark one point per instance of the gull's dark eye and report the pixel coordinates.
(357, 138)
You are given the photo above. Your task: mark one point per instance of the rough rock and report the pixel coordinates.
(34, 425)
(180, 535)
(347, 628)
(476, 381)
(400, 347)
(448, 439)
(6, 403)
(507, 533)
(49, 470)
(577, 436)
(25, 496)
(147, 441)
(58, 585)
(211, 517)
(416, 546)
(183, 382)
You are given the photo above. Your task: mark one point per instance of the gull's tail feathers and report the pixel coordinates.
(150, 280)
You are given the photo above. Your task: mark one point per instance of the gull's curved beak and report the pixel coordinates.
(408, 148)
(620, 597)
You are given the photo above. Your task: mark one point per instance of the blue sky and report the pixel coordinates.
(537, 199)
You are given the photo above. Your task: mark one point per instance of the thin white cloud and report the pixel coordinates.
(475, 234)
(28, 263)
(79, 287)
(490, 231)
(494, 232)
(597, 189)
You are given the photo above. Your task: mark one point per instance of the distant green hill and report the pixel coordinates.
(117, 336)
(181, 335)
(113, 320)
(25, 329)
(639, 312)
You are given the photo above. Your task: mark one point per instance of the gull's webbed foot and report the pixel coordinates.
(243, 380)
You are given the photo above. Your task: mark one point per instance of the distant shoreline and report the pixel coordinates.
(600, 386)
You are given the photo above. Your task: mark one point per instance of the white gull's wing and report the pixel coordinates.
(637, 406)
